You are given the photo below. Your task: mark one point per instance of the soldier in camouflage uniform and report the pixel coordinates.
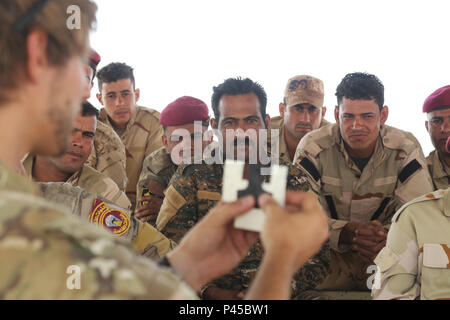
(180, 120)
(364, 171)
(138, 127)
(415, 264)
(196, 188)
(71, 166)
(301, 111)
(81, 261)
(108, 154)
(437, 108)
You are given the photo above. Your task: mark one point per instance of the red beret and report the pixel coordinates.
(439, 98)
(448, 145)
(184, 110)
(94, 59)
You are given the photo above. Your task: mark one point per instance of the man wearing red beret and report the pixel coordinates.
(178, 117)
(437, 107)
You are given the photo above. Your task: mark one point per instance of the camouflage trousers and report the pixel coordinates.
(347, 272)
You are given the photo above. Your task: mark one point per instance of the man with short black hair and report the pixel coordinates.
(71, 167)
(108, 155)
(437, 108)
(138, 127)
(363, 171)
(239, 107)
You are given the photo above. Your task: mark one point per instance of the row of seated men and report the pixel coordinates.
(362, 170)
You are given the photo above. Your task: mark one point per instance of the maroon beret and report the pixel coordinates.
(439, 98)
(184, 110)
(94, 59)
(448, 145)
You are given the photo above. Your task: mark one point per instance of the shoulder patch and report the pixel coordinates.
(412, 167)
(114, 220)
(311, 168)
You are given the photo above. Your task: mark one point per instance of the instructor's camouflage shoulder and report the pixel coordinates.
(145, 239)
(81, 261)
(193, 190)
(108, 155)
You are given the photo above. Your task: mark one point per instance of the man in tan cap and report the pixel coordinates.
(301, 111)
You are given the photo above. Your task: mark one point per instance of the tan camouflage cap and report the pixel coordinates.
(304, 89)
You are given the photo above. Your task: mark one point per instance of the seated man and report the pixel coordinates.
(301, 111)
(71, 166)
(185, 113)
(364, 171)
(415, 264)
(46, 253)
(240, 108)
(108, 155)
(138, 127)
(437, 107)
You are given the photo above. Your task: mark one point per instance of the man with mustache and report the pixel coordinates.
(184, 115)
(108, 154)
(239, 107)
(301, 112)
(437, 108)
(71, 167)
(48, 254)
(137, 126)
(364, 171)
(415, 264)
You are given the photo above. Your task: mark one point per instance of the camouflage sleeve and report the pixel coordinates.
(398, 263)
(147, 175)
(108, 155)
(81, 261)
(145, 239)
(179, 211)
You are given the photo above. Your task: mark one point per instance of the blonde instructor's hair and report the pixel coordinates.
(51, 18)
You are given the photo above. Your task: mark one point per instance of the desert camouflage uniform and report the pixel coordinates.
(158, 166)
(439, 171)
(39, 242)
(194, 190)
(108, 155)
(415, 264)
(146, 240)
(90, 180)
(395, 174)
(141, 137)
(278, 123)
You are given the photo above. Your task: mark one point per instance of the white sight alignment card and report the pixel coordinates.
(234, 187)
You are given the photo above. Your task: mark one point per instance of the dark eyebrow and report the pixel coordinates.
(367, 113)
(229, 118)
(251, 117)
(125, 91)
(111, 92)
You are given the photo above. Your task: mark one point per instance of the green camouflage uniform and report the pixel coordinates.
(40, 243)
(194, 190)
(415, 264)
(395, 174)
(108, 155)
(439, 171)
(141, 137)
(90, 180)
(158, 166)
